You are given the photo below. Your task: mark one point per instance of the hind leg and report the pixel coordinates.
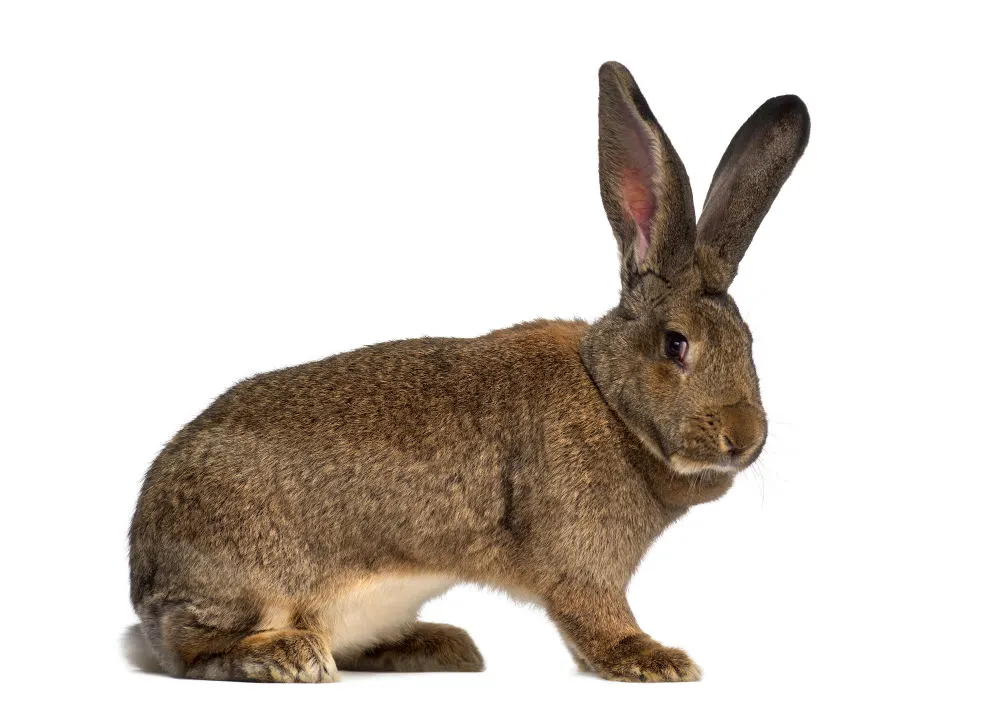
(425, 647)
(226, 642)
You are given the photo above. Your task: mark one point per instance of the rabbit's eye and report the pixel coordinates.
(676, 346)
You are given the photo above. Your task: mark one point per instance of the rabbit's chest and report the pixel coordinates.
(376, 610)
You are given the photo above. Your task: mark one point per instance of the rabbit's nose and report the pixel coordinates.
(743, 429)
(729, 447)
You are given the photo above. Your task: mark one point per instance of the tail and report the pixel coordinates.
(137, 652)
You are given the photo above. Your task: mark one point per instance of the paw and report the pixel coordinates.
(428, 647)
(641, 659)
(276, 656)
(290, 657)
(306, 671)
(452, 649)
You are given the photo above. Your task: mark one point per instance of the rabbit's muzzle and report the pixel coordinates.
(742, 432)
(727, 439)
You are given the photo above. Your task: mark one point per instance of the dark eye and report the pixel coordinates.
(676, 346)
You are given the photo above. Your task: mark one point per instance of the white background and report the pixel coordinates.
(192, 192)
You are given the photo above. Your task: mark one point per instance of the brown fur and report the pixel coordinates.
(307, 513)
(424, 647)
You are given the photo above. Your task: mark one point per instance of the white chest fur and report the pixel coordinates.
(379, 609)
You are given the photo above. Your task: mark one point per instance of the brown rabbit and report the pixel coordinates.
(300, 522)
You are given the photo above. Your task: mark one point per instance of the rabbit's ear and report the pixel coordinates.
(643, 184)
(758, 161)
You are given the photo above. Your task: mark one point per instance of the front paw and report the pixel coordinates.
(639, 658)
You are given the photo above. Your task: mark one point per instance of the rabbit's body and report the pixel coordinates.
(300, 522)
(369, 482)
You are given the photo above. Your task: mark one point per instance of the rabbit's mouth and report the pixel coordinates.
(686, 465)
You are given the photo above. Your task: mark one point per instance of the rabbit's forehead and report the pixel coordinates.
(717, 319)
(700, 317)
(683, 305)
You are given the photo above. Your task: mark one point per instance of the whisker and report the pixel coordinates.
(760, 481)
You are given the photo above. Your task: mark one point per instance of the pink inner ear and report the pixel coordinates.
(640, 204)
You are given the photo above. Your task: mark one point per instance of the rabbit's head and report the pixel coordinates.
(674, 358)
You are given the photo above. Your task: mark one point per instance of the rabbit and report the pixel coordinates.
(295, 528)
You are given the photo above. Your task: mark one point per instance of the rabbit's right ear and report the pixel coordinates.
(643, 184)
(759, 159)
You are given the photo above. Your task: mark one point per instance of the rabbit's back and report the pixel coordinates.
(392, 457)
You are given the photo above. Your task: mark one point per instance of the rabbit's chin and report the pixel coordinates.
(684, 465)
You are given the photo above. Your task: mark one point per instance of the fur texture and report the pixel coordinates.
(300, 522)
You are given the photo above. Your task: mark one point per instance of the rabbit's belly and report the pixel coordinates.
(378, 609)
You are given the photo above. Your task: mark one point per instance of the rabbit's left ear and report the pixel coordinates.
(643, 184)
(758, 161)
